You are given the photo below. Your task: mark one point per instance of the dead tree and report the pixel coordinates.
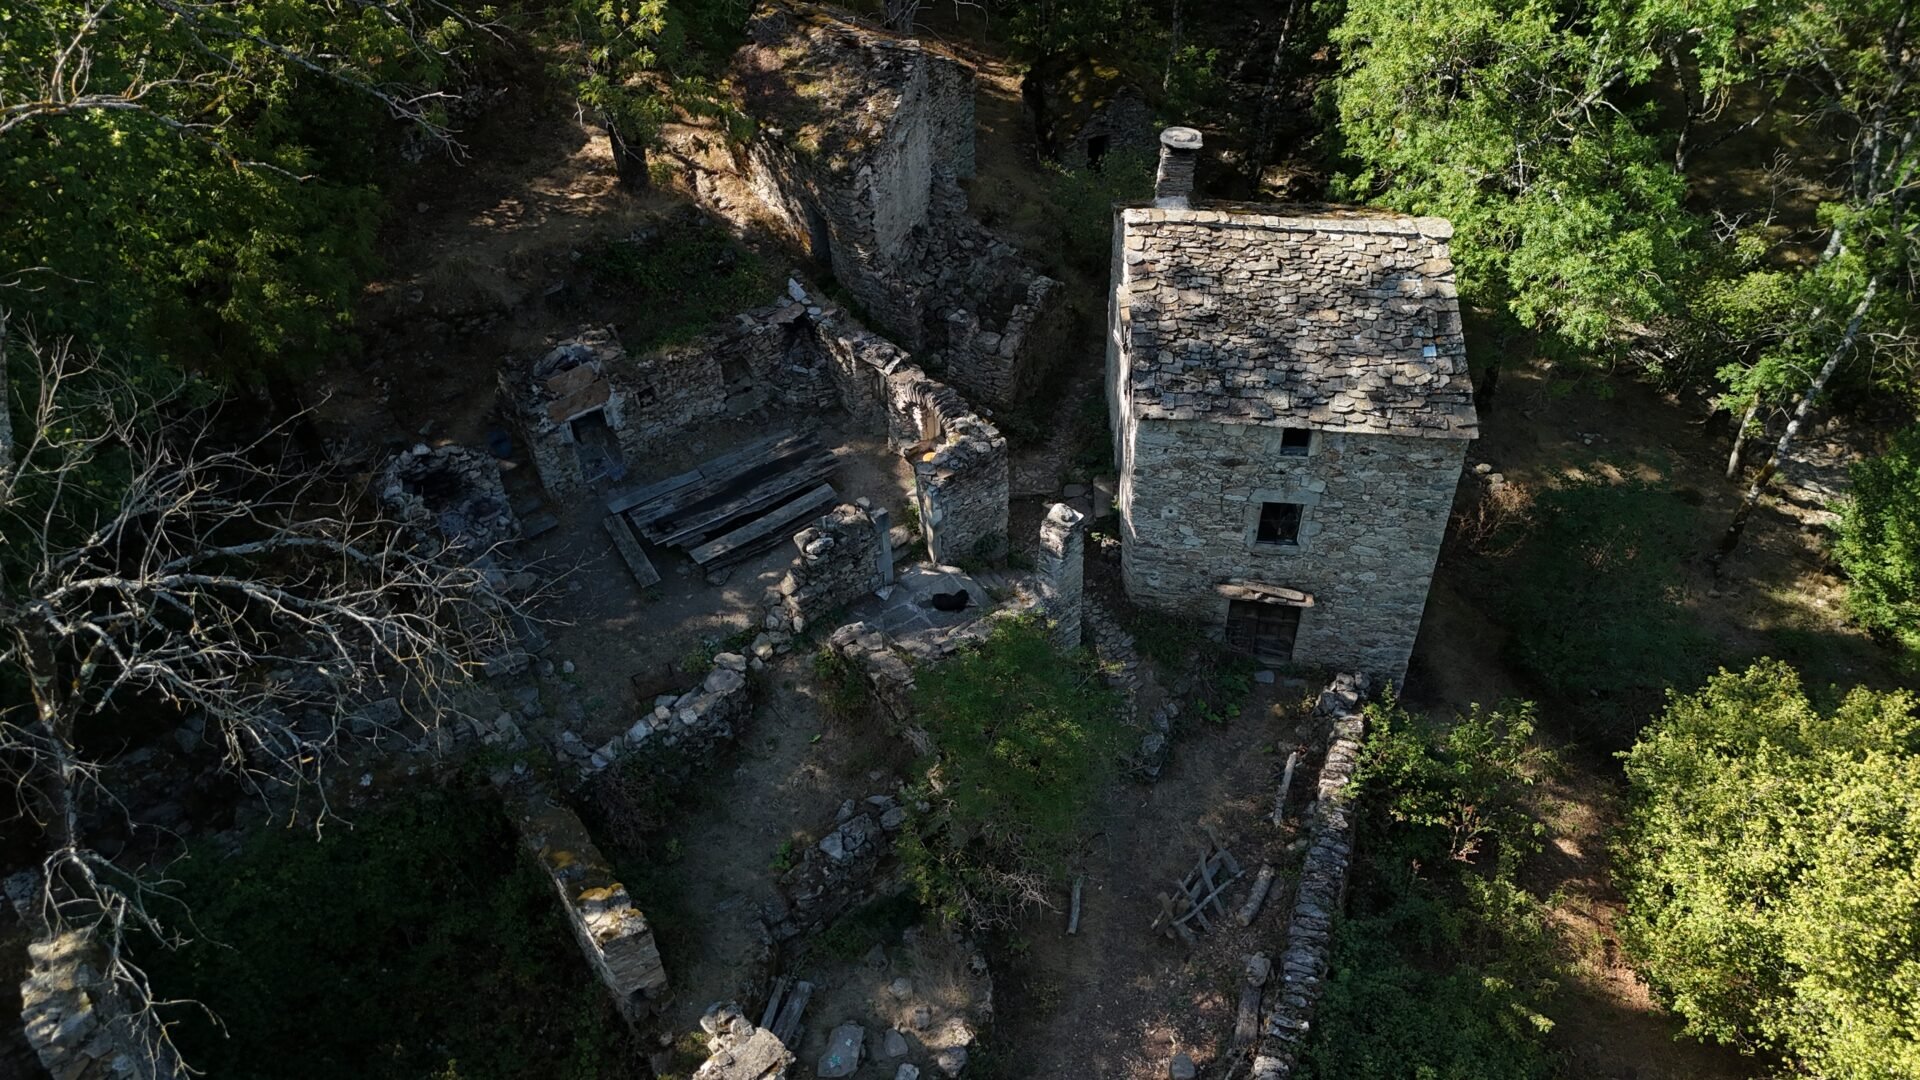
(146, 569)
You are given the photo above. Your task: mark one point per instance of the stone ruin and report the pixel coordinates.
(453, 491)
(79, 1024)
(863, 140)
(738, 1049)
(1084, 109)
(613, 934)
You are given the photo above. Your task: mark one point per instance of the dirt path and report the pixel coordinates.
(1116, 1001)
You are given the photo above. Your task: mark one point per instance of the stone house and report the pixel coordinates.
(1291, 412)
(863, 140)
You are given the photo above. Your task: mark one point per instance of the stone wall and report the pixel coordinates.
(453, 492)
(839, 562)
(864, 138)
(612, 933)
(78, 1023)
(1061, 572)
(1375, 510)
(645, 401)
(841, 870)
(959, 465)
(1322, 890)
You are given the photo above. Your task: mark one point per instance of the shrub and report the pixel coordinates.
(1593, 592)
(1026, 739)
(1442, 967)
(1877, 541)
(1769, 864)
(418, 942)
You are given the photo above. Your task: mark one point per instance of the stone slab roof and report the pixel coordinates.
(1343, 320)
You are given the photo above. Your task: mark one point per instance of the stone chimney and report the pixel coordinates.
(1179, 153)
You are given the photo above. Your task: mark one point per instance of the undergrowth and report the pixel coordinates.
(416, 942)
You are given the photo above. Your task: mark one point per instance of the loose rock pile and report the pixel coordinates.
(453, 491)
(739, 1050)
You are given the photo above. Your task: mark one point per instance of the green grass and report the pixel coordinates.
(681, 278)
(418, 942)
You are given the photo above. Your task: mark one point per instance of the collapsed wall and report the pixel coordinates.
(1322, 889)
(613, 934)
(960, 468)
(863, 139)
(78, 1022)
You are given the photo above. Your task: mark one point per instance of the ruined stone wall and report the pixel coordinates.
(612, 933)
(645, 401)
(1322, 889)
(839, 562)
(1376, 508)
(841, 870)
(1061, 572)
(959, 465)
(78, 1024)
(864, 140)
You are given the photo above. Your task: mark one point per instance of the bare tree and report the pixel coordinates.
(148, 570)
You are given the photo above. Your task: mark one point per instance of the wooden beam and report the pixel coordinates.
(699, 522)
(629, 549)
(785, 517)
(626, 499)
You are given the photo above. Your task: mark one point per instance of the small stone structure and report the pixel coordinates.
(613, 933)
(863, 139)
(586, 404)
(738, 1049)
(841, 870)
(1291, 412)
(79, 1024)
(959, 467)
(839, 562)
(1322, 888)
(1062, 572)
(1086, 110)
(453, 491)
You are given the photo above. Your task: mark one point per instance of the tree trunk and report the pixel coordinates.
(1740, 436)
(1731, 540)
(629, 159)
(1261, 145)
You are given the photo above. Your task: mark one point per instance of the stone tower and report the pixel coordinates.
(1291, 411)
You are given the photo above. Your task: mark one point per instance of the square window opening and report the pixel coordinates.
(1279, 524)
(1296, 441)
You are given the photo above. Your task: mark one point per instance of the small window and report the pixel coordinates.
(1296, 441)
(645, 397)
(1279, 523)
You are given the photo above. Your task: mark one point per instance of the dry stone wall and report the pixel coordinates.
(1374, 511)
(864, 137)
(80, 1025)
(613, 934)
(839, 562)
(960, 469)
(1322, 890)
(839, 871)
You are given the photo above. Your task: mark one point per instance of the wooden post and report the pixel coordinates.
(1073, 915)
(1286, 781)
(1262, 884)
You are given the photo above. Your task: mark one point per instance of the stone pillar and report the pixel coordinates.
(1062, 562)
(882, 544)
(1179, 154)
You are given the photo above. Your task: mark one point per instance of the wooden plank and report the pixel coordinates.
(772, 1012)
(711, 485)
(1262, 884)
(629, 549)
(720, 469)
(785, 517)
(628, 498)
(698, 523)
(1246, 1022)
(788, 1026)
(1073, 917)
(537, 524)
(1286, 782)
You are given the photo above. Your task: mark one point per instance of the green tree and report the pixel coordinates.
(1877, 541)
(1506, 117)
(1771, 864)
(194, 183)
(1443, 965)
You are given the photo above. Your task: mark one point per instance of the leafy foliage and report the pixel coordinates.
(1771, 864)
(1592, 591)
(417, 943)
(219, 214)
(1026, 740)
(1877, 541)
(1442, 968)
(686, 275)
